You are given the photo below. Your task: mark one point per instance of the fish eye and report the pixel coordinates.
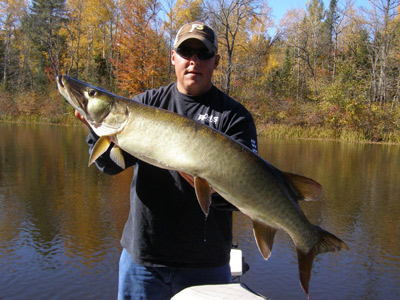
(92, 93)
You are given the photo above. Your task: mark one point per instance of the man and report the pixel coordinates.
(168, 243)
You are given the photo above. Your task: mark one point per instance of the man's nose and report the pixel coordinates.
(194, 59)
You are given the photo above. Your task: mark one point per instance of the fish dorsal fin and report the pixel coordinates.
(117, 157)
(99, 148)
(307, 188)
(203, 193)
(264, 235)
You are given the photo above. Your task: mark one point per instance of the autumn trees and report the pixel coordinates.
(382, 21)
(142, 60)
(338, 58)
(333, 67)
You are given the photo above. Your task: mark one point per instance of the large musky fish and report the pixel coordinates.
(170, 141)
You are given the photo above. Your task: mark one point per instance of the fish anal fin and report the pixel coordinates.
(203, 193)
(307, 188)
(99, 148)
(117, 157)
(264, 236)
(327, 243)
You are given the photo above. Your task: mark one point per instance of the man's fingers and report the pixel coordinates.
(81, 118)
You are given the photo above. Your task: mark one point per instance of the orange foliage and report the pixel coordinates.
(143, 61)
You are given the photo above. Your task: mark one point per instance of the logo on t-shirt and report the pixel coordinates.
(208, 119)
(254, 146)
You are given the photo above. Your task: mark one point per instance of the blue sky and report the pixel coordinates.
(280, 7)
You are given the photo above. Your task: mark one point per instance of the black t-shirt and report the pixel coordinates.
(166, 226)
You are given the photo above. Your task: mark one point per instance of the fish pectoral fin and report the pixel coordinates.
(327, 243)
(117, 157)
(307, 188)
(264, 235)
(203, 193)
(99, 148)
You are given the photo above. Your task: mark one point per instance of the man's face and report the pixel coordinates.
(193, 75)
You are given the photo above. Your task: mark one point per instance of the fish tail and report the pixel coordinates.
(327, 243)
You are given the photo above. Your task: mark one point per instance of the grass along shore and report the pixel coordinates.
(274, 117)
(318, 133)
(276, 131)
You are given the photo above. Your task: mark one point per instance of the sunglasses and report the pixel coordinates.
(202, 53)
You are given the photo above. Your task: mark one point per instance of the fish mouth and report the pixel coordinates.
(72, 93)
(60, 81)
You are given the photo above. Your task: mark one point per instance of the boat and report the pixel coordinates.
(231, 291)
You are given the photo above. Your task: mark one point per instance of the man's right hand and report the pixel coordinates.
(81, 118)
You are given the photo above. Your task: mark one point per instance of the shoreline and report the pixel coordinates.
(323, 134)
(275, 131)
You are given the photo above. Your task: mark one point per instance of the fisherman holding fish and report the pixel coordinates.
(168, 242)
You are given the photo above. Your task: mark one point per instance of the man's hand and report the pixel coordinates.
(81, 118)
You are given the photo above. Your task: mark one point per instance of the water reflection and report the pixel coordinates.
(360, 205)
(61, 221)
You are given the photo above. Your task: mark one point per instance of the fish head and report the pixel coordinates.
(105, 112)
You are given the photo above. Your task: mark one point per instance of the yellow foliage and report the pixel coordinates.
(88, 30)
(183, 12)
(188, 11)
(273, 63)
(10, 10)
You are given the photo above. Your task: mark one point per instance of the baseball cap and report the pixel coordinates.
(199, 31)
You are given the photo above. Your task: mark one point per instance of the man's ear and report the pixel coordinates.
(173, 57)
(217, 58)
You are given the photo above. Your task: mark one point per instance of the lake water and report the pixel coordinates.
(60, 221)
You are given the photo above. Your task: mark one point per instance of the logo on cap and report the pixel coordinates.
(197, 26)
(200, 31)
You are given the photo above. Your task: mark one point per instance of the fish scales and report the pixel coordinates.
(171, 141)
(230, 168)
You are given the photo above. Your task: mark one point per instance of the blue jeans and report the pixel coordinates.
(137, 282)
